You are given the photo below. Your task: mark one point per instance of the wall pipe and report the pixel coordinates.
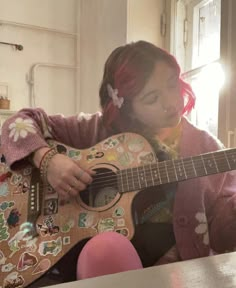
(31, 77)
(35, 27)
(17, 46)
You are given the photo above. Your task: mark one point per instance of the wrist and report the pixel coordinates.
(38, 155)
(44, 163)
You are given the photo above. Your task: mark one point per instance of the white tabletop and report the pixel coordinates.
(214, 271)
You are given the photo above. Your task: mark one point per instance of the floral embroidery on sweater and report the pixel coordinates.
(20, 128)
(202, 227)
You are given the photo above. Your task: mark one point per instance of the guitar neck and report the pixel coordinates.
(177, 170)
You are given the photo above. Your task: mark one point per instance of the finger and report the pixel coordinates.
(79, 174)
(91, 172)
(73, 186)
(77, 187)
(63, 193)
(83, 176)
(68, 190)
(86, 173)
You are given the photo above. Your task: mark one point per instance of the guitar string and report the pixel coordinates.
(186, 164)
(182, 160)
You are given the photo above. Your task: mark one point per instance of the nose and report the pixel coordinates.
(169, 109)
(171, 103)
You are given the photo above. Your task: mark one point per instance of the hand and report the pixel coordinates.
(66, 177)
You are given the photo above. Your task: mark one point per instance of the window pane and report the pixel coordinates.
(206, 83)
(206, 32)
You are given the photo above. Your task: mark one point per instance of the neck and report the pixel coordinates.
(164, 133)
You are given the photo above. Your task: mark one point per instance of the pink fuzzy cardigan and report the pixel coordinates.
(204, 217)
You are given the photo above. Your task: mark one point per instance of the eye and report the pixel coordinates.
(150, 99)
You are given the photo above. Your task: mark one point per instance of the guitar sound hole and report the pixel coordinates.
(102, 190)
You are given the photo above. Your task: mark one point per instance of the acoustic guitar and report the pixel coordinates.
(37, 228)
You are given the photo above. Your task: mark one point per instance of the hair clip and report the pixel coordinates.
(113, 94)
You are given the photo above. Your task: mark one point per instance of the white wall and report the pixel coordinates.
(52, 86)
(57, 14)
(103, 27)
(100, 26)
(144, 20)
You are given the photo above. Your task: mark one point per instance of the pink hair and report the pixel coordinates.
(127, 69)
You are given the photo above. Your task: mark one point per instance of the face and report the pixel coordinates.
(159, 104)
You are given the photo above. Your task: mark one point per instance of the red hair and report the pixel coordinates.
(187, 93)
(128, 69)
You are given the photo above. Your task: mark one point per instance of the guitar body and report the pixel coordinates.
(37, 228)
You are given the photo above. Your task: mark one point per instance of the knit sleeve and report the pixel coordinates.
(29, 129)
(222, 219)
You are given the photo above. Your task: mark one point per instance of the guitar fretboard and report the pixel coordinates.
(171, 171)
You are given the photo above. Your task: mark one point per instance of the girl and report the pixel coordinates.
(142, 92)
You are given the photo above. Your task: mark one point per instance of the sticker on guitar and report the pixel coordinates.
(36, 231)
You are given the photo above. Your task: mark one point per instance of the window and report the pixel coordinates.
(198, 52)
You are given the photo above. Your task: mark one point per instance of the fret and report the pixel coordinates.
(142, 177)
(145, 176)
(162, 173)
(129, 179)
(195, 172)
(146, 172)
(132, 178)
(156, 174)
(199, 166)
(231, 156)
(151, 173)
(204, 167)
(209, 164)
(190, 171)
(184, 169)
(174, 169)
(217, 169)
(159, 174)
(225, 155)
(139, 184)
(170, 168)
(167, 174)
(179, 169)
(221, 161)
(126, 184)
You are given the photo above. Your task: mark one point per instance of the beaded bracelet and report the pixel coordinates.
(43, 166)
(43, 157)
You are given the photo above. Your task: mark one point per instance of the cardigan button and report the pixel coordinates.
(182, 220)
